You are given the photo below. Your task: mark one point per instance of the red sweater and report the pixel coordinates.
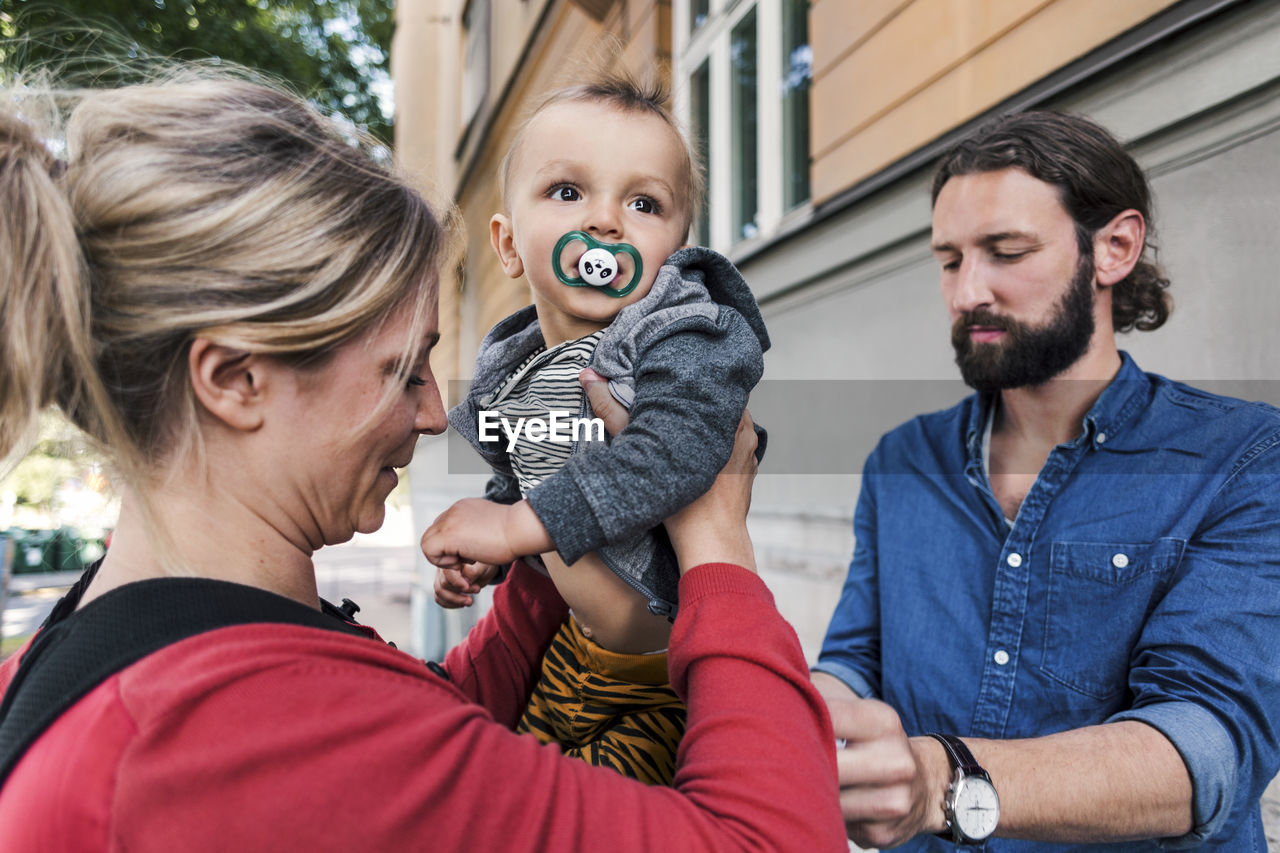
(283, 738)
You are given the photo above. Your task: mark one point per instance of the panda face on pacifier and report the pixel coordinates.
(602, 266)
(597, 267)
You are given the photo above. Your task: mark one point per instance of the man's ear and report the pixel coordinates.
(1117, 247)
(502, 237)
(229, 383)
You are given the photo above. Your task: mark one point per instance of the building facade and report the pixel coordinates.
(819, 122)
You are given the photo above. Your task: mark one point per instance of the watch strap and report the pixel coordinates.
(959, 755)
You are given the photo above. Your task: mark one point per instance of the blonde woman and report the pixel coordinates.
(239, 304)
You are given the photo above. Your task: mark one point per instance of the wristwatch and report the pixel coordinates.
(972, 806)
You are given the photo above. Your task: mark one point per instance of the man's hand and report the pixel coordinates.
(891, 786)
(456, 587)
(475, 530)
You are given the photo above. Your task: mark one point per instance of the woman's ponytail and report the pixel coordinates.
(46, 347)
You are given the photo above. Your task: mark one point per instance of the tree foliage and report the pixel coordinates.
(334, 51)
(61, 455)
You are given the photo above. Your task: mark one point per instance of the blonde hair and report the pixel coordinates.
(624, 92)
(201, 205)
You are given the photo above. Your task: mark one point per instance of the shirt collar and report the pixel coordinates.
(1115, 407)
(1118, 403)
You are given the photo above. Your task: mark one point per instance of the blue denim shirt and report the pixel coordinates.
(1139, 581)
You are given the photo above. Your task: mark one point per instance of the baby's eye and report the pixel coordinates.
(565, 192)
(645, 205)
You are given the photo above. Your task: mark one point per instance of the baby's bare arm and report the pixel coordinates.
(477, 530)
(610, 612)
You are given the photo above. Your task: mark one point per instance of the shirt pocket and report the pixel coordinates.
(1099, 598)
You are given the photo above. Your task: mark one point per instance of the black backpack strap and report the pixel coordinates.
(76, 650)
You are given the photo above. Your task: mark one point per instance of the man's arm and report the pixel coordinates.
(1191, 753)
(1112, 782)
(849, 662)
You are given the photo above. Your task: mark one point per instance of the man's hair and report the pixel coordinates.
(624, 92)
(1096, 179)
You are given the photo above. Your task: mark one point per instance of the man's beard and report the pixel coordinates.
(1028, 355)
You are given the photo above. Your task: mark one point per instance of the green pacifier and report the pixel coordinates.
(598, 266)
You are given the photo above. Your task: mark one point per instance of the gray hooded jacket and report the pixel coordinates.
(683, 359)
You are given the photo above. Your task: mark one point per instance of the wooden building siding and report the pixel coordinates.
(890, 76)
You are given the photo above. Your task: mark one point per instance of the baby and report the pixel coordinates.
(599, 190)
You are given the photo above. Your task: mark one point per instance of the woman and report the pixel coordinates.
(239, 303)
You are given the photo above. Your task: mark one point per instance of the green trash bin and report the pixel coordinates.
(62, 551)
(6, 568)
(28, 551)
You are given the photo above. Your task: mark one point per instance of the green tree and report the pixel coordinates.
(61, 454)
(334, 51)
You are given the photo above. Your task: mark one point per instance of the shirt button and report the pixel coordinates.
(1001, 657)
(1015, 560)
(1102, 438)
(1120, 561)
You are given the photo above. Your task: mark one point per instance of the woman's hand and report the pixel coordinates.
(712, 529)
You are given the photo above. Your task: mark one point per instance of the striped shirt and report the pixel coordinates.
(546, 382)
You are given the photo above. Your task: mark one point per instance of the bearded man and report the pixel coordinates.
(1061, 625)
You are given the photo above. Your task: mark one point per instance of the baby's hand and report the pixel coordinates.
(454, 588)
(475, 530)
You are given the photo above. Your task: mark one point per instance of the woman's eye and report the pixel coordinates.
(416, 381)
(565, 193)
(645, 205)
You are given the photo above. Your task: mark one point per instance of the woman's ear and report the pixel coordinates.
(1117, 247)
(229, 383)
(503, 239)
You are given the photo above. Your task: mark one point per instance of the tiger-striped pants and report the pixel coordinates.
(610, 709)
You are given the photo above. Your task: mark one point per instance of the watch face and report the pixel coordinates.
(977, 808)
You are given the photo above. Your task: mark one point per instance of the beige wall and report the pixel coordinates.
(892, 75)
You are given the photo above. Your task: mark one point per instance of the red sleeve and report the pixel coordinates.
(288, 738)
(498, 662)
(756, 769)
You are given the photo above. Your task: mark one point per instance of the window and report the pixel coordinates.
(797, 75)
(743, 71)
(475, 71)
(699, 125)
(698, 13)
(744, 126)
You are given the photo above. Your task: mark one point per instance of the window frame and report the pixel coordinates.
(710, 43)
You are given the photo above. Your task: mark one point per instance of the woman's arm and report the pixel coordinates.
(497, 664)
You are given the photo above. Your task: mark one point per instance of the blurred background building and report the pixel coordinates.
(820, 122)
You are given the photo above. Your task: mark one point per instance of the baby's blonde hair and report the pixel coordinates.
(200, 205)
(624, 92)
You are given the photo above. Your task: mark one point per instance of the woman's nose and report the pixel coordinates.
(431, 417)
